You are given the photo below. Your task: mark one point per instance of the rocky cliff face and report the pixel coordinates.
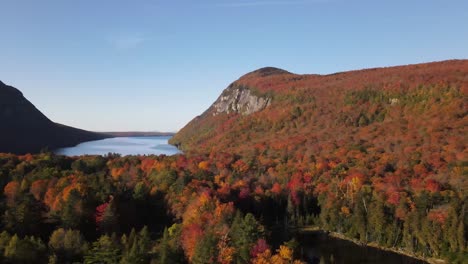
(240, 100)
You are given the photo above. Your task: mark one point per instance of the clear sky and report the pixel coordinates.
(151, 65)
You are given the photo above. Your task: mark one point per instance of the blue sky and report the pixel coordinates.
(153, 65)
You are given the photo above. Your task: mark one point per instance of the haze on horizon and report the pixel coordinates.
(152, 66)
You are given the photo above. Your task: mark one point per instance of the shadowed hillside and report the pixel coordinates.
(25, 129)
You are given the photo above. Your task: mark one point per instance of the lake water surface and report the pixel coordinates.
(318, 247)
(123, 145)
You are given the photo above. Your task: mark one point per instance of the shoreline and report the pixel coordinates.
(337, 235)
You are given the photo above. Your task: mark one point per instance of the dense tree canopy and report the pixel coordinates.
(217, 208)
(378, 156)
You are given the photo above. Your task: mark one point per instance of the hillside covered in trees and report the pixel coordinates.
(24, 129)
(218, 208)
(95, 209)
(386, 139)
(384, 108)
(376, 155)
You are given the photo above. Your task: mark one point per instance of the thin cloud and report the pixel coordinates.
(125, 42)
(269, 3)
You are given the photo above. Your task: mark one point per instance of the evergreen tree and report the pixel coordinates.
(376, 219)
(168, 250)
(164, 250)
(5, 238)
(359, 219)
(67, 245)
(461, 236)
(12, 248)
(68, 215)
(138, 252)
(132, 237)
(245, 231)
(109, 222)
(103, 251)
(140, 191)
(205, 251)
(291, 211)
(53, 259)
(27, 250)
(25, 217)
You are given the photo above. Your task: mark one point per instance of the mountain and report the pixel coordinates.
(140, 134)
(379, 154)
(392, 110)
(24, 129)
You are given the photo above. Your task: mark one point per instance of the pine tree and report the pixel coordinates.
(103, 251)
(377, 219)
(164, 249)
(12, 247)
(56, 239)
(68, 215)
(27, 250)
(205, 252)
(5, 238)
(245, 231)
(74, 244)
(359, 219)
(25, 217)
(53, 259)
(461, 236)
(291, 211)
(144, 241)
(109, 219)
(138, 251)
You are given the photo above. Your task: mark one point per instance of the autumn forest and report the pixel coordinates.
(377, 156)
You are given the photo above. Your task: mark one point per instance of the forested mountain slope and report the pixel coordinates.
(378, 156)
(25, 129)
(382, 150)
(392, 110)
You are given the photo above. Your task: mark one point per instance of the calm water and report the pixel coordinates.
(124, 146)
(317, 247)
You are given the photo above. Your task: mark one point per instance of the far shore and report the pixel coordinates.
(139, 134)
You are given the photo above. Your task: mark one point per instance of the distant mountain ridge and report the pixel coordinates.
(140, 134)
(24, 129)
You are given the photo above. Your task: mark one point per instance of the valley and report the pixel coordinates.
(375, 156)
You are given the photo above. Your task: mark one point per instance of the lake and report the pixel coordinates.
(122, 145)
(319, 248)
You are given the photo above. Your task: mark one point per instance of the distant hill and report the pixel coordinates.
(420, 107)
(139, 134)
(24, 129)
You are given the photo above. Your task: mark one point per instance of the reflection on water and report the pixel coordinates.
(318, 247)
(123, 145)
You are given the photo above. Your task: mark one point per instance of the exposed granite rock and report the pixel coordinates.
(241, 100)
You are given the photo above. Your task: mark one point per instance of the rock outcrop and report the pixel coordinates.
(241, 100)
